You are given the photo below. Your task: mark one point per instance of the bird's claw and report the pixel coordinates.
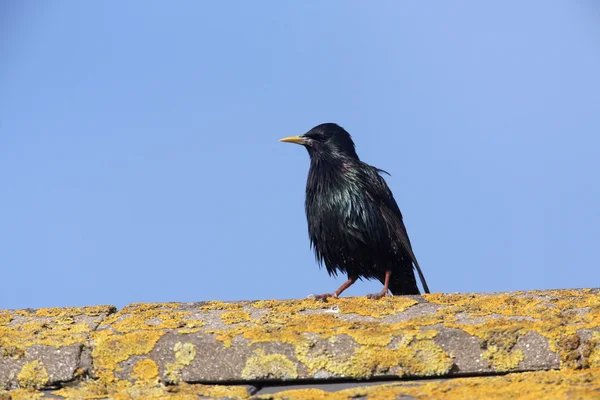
(377, 296)
(324, 297)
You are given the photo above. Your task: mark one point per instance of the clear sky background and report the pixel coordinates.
(139, 158)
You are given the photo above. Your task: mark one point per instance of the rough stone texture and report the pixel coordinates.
(213, 362)
(537, 351)
(60, 364)
(118, 392)
(568, 384)
(564, 384)
(465, 349)
(43, 348)
(324, 386)
(146, 346)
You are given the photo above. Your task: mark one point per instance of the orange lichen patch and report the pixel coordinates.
(152, 317)
(346, 305)
(527, 386)
(348, 337)
(287, 307)
(33, 375)
(145, 371)
(589, 354)
(569, 354)
(94, 390)
(15, 339)
(5, 317)
(296, 326)
(92, 311)
(423, 358)
(235, 317)
(110, 349)
(222, 391)
(595, 351)
(566, 384)
(124, 390)
(54, 327)
(534, 304)
(21, 394)
(307, 394)
(289, 322)
(556, 315)
(284, 322)
(498, 320)
(221, 305)
(376, 309)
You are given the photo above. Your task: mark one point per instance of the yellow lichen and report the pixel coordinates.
(148, 390)
(569, 351)
(184, 355)
(269, 366)
(19, 337)
(291, 327)
(556, 315)
(91, 311)
(33, 375)
(589, 355)
(55, 327)
(220, 305)
(145, 371)
(235, 317)
(565, 384)
(110, 349)
(222, 391)
(376, 309)
(93, 390)
(498, 320)
(152, 317)
(423, 358)
(347, 305)
(289, 321)
(303, 394)
(373, 341)
(501, 359)
(5, 318)
(21, 394)
(526, 386)
(594, 357)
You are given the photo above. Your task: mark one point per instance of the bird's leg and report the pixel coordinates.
(384, 291)
(345, 285)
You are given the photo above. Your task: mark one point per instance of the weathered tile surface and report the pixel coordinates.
(567, 384)
(295, 341)
(40, 348)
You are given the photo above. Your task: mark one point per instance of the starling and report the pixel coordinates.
(354, 224)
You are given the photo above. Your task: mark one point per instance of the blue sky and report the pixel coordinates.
(139, 158)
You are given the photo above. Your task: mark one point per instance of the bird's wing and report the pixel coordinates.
(393, 217)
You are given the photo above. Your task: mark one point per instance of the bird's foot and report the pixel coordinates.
(379, 295)
(324, 297)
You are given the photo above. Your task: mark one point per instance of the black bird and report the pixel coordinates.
(354, 224)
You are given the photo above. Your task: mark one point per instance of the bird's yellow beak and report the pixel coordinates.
(294, 139)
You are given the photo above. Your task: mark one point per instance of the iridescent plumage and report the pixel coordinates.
(354, 224)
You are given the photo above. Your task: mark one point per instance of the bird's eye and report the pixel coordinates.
(317, 137)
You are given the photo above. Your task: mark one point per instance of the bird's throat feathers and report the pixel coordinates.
(328, 172)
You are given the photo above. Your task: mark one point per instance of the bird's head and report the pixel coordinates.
(329, 140)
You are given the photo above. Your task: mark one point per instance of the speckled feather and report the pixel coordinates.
(354, 223)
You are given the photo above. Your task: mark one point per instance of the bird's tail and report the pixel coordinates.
(403, 282)
(421, 277)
